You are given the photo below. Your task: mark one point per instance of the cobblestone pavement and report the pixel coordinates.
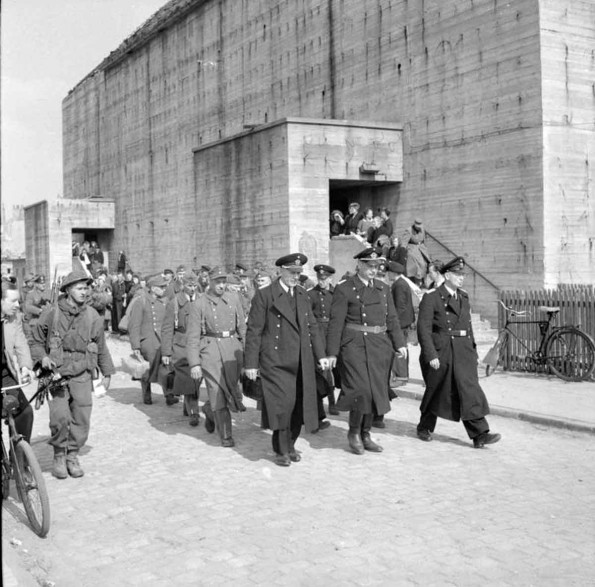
(162, 503)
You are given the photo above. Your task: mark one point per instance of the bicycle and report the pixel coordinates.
(21, 463)
(565, 350)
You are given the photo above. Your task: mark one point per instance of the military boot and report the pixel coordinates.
(209, 418)
(223, 425)
(354, 434)
(72, 464)
(59, 467)
(367, 441)
(146, 389)
(331, 403)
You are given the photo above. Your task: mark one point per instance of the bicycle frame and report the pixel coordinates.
(537, 356)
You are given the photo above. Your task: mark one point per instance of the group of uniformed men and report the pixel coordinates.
(296, 344)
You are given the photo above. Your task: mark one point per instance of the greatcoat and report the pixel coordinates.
(173, 343)
(364, 358)
(283, 343)
(215, 331)
(452, 391)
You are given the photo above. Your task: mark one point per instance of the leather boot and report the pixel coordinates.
(354, 434)
(223, 425)
(294, 455)
(367, 441)
(72, 464)
(146, 389)
(209, 418)
(282, 457)
(59, 470)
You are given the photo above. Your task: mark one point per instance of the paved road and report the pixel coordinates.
(162, 504)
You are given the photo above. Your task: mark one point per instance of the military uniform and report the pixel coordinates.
(144, 328)
(364, 333)
(216, 329)
(36, 301)
(321, 299)
(282, 340)
(452, 390)
(72, 336)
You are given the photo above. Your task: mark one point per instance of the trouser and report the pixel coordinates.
(70, 416)
(284, 438)
(117, 313)
(474, 427)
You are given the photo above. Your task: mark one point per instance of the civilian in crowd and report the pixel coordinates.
(16, 358)
(418, 256)
(352, 219)
(337, 223)
(121, 262)
(386, 221)
(366, 223)
(435, 278)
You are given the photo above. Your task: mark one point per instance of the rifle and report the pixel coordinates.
(55, 287)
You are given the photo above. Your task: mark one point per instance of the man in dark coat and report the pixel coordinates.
(402, 297)
(174, 333)
(118, 295)
(449, 360)
(144, 329)
(70, 340)
(363, 335)
(321, 298)
(282, 342)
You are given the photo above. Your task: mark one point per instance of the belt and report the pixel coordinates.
(362, 328)
(457, 333)
(224, 334)
(324, 319)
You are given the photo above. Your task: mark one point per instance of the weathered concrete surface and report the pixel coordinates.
(495, 99)
(163, 504)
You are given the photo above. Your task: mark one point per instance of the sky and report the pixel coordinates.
(48, 46)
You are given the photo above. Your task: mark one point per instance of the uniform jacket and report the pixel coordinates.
(280, 340)
(453, 390)
(402, 297)
(34, 303)
(175, 327)
(364, 358)
(321, 300)
(75, 341)
(144, 324)
(221, 358)
(16, 345)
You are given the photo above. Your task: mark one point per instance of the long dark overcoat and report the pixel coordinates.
(278, 341)
(452, 391)
(173, 343)
(365, 358)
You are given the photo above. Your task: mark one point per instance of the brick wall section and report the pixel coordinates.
(463, 77)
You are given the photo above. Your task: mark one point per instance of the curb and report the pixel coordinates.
(550, 421)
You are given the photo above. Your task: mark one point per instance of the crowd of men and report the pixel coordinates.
(273, 335)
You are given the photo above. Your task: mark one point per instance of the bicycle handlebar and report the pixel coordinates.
(512, 311)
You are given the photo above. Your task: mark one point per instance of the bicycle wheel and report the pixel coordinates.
(31, 487)
(5, 480)
(570, 354)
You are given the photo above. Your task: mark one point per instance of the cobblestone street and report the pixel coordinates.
(162, 503)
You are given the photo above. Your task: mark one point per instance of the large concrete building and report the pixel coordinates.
(228, 129)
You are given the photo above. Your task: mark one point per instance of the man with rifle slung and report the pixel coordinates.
(69, 339)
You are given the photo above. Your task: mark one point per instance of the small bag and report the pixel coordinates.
(252, 389)
(134, 366)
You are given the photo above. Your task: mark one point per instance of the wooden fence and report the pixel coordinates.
(577, 308)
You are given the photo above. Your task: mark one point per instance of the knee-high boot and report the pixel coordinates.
(367, 441)
(354, 435)
(223, 425)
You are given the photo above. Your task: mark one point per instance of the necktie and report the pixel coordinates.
(291, 291)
